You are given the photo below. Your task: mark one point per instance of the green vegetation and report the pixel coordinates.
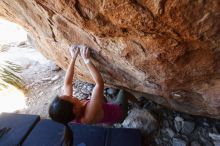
(8, 75)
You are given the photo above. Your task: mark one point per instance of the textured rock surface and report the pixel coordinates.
(140, 119)
(168, 48)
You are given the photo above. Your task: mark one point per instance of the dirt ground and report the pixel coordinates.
(42, 84)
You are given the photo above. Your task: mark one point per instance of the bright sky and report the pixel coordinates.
(11, 99)
(11, 32)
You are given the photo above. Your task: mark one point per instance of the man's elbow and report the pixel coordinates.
(100, 83)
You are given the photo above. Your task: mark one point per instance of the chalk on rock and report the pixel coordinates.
(141, 119)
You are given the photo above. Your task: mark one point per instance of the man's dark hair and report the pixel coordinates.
(61, 111)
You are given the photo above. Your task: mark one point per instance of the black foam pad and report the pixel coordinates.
(45, 133)
(85, 135)
(15, 127)
(49, 133)
(123, 137)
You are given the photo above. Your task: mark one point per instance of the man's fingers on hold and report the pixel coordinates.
(76, 50)
(84, 51)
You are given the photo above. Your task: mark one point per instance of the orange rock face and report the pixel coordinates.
(167, 48)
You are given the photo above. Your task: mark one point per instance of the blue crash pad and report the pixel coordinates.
(86, 135)
(45, 133)
(49, 133)
(15, 127)
(124, 137)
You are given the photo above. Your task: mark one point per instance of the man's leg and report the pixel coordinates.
(122, 101)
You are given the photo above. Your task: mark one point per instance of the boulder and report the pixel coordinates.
(165, 50)
(141, 119)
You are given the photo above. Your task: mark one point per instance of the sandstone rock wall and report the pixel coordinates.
(167, 48)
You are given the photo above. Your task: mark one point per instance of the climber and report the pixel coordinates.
(67, 108)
